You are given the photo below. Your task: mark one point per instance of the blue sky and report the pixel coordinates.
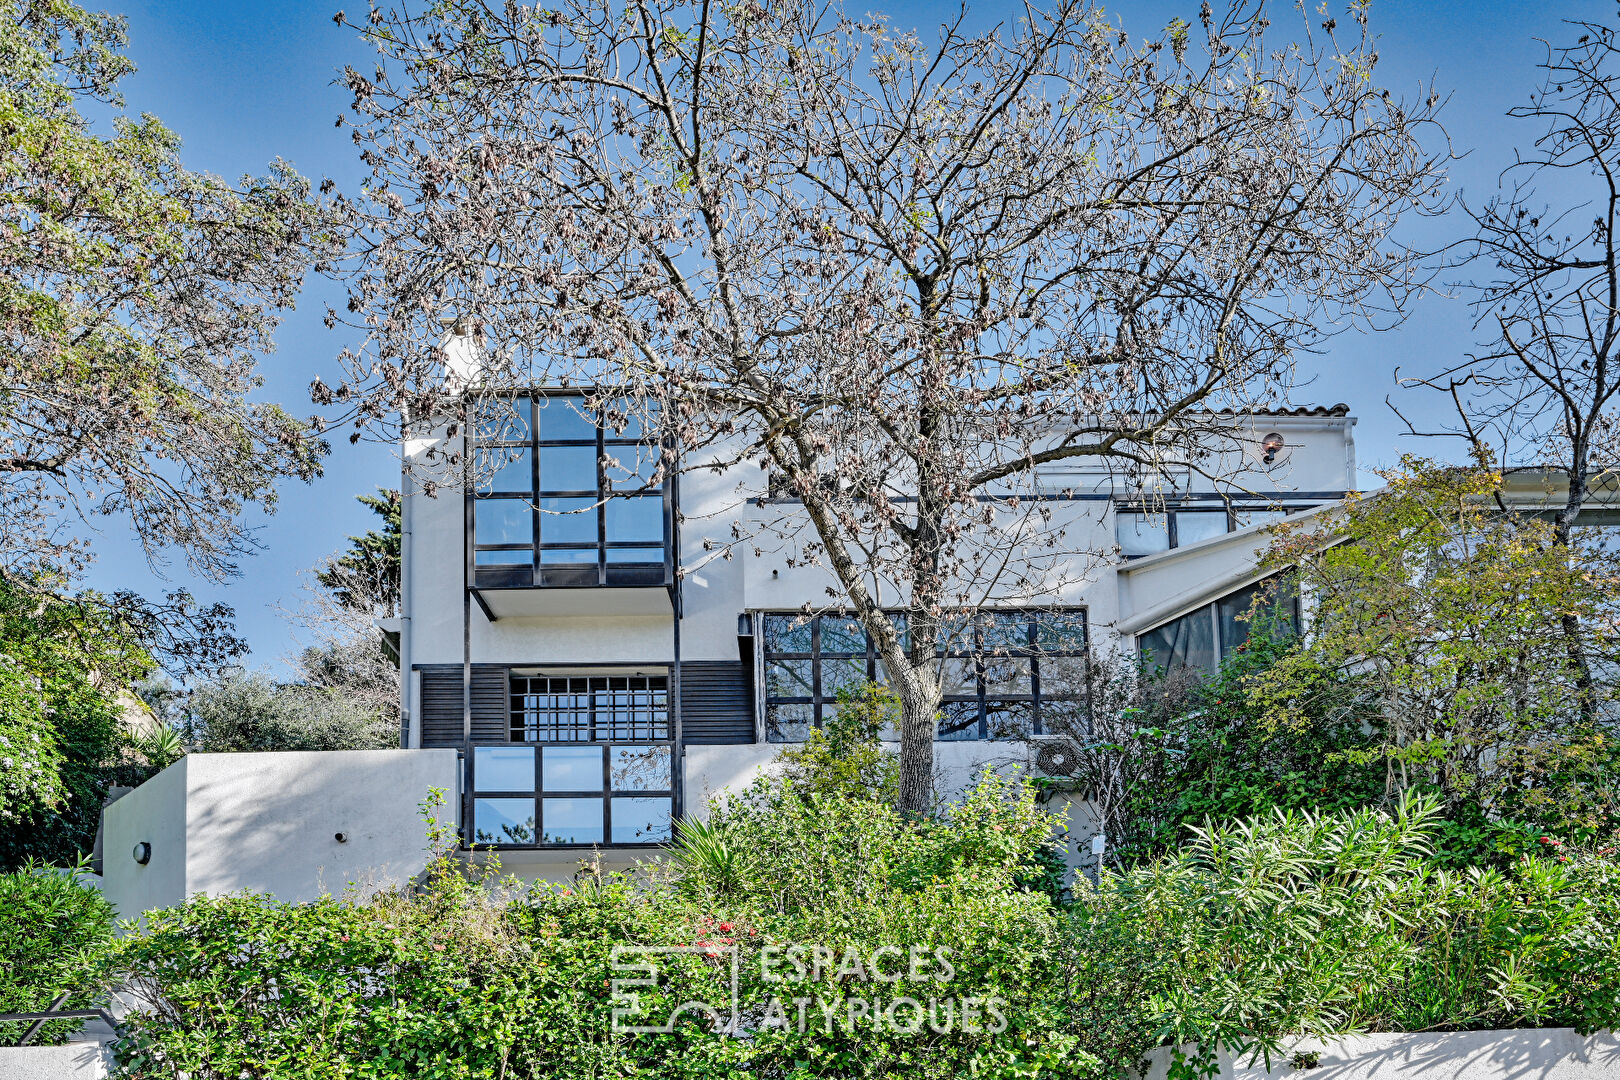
(243, 83)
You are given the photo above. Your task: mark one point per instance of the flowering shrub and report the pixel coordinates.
(802, 933)
(862, 944)
(30, 761)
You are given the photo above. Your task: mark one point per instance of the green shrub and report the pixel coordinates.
(243, 712)
(1168, 750)
(1257, 932)
(52, 939)
(487, 979)
(845, 755)
(1295, 924)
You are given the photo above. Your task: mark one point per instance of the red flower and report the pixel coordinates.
(725, 928)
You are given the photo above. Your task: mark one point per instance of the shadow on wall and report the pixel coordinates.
(1533, 1054)
(294, 825)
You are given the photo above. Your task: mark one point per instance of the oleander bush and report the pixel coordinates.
(53, 934)
(1293, 923)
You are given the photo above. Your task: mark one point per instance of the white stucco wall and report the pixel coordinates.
(228, 823)
(712, 771)
(70, 1061)
(154, 813)
(1539, 1053)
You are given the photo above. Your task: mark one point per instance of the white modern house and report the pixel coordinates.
(580, 670)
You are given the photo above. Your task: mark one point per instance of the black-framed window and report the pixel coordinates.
(1002, 672)
(590, 763)
(1205, 636)
(590, 708)
(563, 497)
(1143, 529)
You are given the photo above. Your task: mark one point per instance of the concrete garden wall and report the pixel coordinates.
(1532, 1054)
(228, 823)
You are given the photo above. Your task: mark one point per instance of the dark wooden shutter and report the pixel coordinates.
(441, 704)
(717, 702)
(491, 704)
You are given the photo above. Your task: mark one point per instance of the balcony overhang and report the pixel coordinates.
(604, 601)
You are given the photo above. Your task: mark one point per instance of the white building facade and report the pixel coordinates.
(567, 628)
(580, 669)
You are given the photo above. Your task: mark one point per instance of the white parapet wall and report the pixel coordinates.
(1538, 1053)
(295, 825)
(73, 1061)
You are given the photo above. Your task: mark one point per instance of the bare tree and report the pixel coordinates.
(1546, 297)
(900, 276)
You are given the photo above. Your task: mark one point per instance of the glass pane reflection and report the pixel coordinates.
(503, 768)
(571, 768)
(572, 821)
(641, 820)
(503, 821)
(640, 768)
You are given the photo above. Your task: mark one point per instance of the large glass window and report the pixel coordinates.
(1202, 638)
(564, 498)
(1147, 530)
(591, 762)
(1002, 672)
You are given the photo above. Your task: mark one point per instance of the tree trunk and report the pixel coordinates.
(919, 706)
(1569, 623)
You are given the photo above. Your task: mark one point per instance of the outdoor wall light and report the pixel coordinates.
(143, 853)
(342, 838)
(1271, 446)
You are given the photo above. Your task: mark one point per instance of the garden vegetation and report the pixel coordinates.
(1255, 932)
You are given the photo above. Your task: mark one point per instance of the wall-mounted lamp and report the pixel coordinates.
(1270, 447)
(342, 838)
(143, 853)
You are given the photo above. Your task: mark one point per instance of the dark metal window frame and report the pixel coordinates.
(1211, 610)
(519, 713)
(1287, 502)
(982, 699)
(567, 574)
(607, 794)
